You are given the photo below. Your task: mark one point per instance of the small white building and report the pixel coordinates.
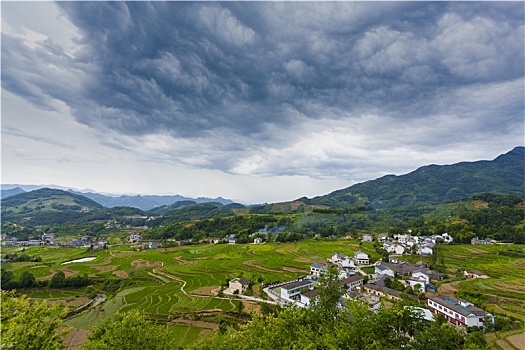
(399, 249)
(382, 270)
(239, 285)
(307, 298)
(292, 290)
(361, 258)
(402, 239)
(318, 269)
(367, 238)
(421, 274)
(425, 250)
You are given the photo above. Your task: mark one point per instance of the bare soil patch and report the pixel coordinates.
(518, 340)
(250, 306)
(75, 302)
(37, 267)
(68, 272)
(144, 263)
(121, 274)
(207, 291)
(448, 288)
(76, 338)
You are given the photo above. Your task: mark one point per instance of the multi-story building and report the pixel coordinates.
(459, 312)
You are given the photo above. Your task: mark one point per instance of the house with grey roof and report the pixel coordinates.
(292, 290)
(459, 312)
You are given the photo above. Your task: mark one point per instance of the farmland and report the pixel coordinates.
(181, 286)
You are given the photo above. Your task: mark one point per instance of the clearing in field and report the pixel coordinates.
(144, 263)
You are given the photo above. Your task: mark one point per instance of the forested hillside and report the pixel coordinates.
(436, 184)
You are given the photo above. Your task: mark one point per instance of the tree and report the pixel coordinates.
(128, 331)
(27, 280)
(30, 324)
(58, 280)
(6, 281)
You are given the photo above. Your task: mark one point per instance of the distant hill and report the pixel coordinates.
(46, 205)
(143, 202)
(434, 184)
(146, 202)
(11, 192)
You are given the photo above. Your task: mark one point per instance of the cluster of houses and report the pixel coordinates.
(302, 292)
(477, 241)
(51, 239)
(404, 244)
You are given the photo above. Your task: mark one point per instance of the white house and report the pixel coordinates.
(342, 260)
(399, 249)
(421, 274)
(393, 260)
(317, 269)
(459, 312)
(338, 258)
(257, 240)
(389, 247)
(239, 284)
(361, 258)
(292, 290)
(367, 238)
(351, 283)
(425, 250)
(308, 297)
(402, 239)
(447, 238)
(418, 283)
(383, 270)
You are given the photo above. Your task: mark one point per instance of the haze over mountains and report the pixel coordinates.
(427, 185)
(143, 202)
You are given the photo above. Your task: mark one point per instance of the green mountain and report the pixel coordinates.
(434, 184)
(45, 206)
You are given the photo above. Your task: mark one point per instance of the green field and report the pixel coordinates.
(176, 283)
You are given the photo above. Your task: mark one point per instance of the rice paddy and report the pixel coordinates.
(167, 284)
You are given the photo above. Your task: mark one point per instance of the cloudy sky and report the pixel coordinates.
(254, 101)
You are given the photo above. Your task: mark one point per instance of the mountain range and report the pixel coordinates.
(432, 184)
(143, 202)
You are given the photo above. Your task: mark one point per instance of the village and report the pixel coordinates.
(391, 280)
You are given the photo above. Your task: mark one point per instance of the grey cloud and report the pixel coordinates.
(224, 82)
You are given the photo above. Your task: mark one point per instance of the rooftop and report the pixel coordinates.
(297, 284)
(454, 304)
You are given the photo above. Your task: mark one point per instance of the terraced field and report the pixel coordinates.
(504, 291)
(178, 285)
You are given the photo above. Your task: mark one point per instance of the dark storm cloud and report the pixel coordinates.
(244, 75)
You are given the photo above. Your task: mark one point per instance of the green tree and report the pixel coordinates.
(27, 280)
(58, 280)
(30, 325)
(128, 331)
